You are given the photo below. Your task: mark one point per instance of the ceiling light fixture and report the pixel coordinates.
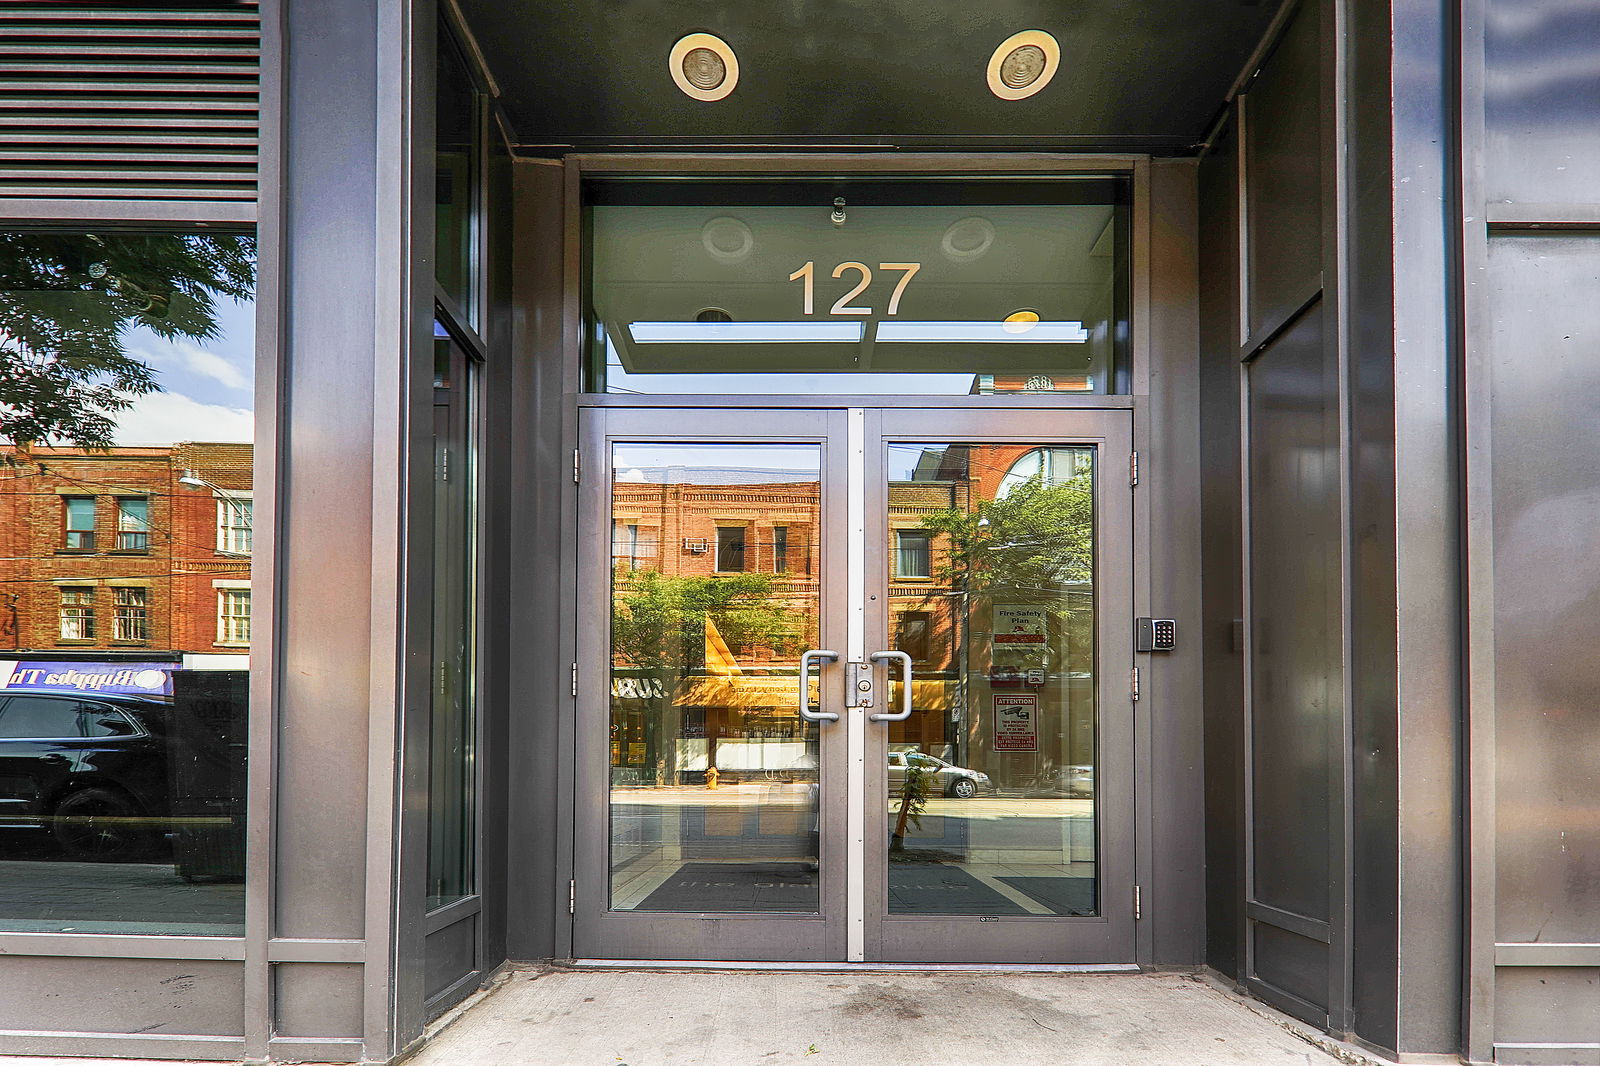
(704, 67)
(1023, 64)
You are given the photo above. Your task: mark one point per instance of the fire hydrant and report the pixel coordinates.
(711, 777)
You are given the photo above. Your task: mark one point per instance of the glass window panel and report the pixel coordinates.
(129, 611)
(911, 288)
(80, 522)
(714, 776)
(452, 768)
(455, 175)
(991, 807)
(40, 718)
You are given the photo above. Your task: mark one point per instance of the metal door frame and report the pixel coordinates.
(1105, 940)
(852, 925)
(597, 931)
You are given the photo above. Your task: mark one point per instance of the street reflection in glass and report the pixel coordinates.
(715, 593)
(127, 363)
(991, 805)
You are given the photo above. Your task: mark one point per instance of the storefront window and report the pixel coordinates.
(863, 287)
(126, 411)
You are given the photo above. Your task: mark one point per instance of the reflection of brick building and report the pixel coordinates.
(141, 549)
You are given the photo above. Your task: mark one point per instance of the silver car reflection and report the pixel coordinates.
(956, 781)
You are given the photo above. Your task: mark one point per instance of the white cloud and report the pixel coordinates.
(168, 417)
(195, 360)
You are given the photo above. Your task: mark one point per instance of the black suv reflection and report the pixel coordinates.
(89, 770)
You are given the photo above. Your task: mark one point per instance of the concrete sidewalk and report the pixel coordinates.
(656, 1018)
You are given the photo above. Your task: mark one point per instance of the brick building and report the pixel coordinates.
(133, 549)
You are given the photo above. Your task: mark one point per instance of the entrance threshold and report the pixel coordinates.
(851, 967)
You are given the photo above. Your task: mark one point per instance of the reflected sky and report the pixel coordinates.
(207, 389)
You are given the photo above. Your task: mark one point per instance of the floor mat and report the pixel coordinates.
(717, 887)
(934, 888)
(1063, 895)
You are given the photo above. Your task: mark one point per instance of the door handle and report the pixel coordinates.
(905, 688)
(805, 685)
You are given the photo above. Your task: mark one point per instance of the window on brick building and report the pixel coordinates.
(233, 616)
(780, 549)
(911, 635)
(79, 522)
(130, 618)
(730, 548)
(133, 524)
(911, 554)
(77, 613)
(234, 516)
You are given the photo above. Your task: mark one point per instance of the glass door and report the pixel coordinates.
(1001, 778)
(853, 686)
(711, 791)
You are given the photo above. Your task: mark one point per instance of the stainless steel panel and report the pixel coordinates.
(1541, 143)
(1296, 964)
(317, 1000)
(1546, 495)
(169, 997)
(1284, 180)
(1295, 643)
(1535, 1005)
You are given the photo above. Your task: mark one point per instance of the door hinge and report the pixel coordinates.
(572, 897)
(1133, 469)
(577, 469)
(1138, 906)
(1133, 685)
(574, 679)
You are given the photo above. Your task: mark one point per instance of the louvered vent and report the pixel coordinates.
(129, 100)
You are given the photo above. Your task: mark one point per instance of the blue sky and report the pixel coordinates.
(208, 391)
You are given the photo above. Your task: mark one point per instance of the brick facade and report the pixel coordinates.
(175, 565)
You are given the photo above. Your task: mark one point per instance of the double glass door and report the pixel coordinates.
(853, 685)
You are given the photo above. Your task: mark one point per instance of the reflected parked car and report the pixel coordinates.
(1072, 780)
(956, 781)
(90, 770)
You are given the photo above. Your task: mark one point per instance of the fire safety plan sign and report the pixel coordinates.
(1016, 723)
(1020, 634)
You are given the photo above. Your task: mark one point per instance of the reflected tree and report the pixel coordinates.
(659, 626)
(66, 303)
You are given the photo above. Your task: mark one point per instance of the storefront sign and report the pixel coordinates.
(141, 679)
(1016, 723)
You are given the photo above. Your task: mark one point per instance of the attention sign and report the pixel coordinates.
(1016, 723)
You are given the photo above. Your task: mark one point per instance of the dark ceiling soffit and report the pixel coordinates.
(1077, 145)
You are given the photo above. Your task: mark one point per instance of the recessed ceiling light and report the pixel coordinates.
(704, 67)
(1023, 64)
(1021, 321)
(727, 239)
(967, 239)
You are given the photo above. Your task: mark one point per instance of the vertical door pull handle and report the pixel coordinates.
(905, 687)
(805, 685)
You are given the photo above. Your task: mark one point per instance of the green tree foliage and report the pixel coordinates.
(658, 620)
(66, 301)
(1035, 544)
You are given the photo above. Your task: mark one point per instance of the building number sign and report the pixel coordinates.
(806, 275)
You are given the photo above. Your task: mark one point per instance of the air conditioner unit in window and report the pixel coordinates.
(698, 545)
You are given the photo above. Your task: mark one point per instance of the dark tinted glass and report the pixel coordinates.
(39, 717)
(858, 287)
(455, 175)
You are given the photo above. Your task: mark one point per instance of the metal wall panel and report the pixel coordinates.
(451, 953)
(1541, 85)
(165, 996)
(317, 999)
(129, 101)
(1222, 549)
(1294, 580)
(1546, 485)
(1284, 147)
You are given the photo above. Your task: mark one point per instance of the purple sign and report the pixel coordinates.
(138, 679)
